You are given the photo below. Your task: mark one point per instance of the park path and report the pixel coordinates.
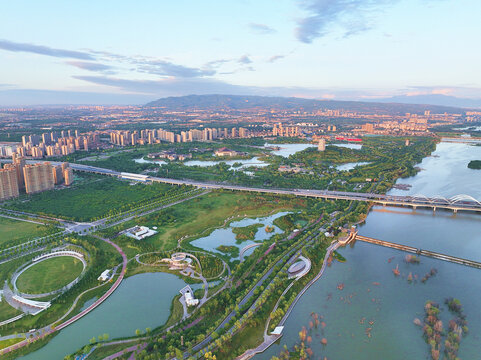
(270, 339)
(133, 350)
(51, 329)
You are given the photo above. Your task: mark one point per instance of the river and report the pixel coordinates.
(141, 301)
(373, 298)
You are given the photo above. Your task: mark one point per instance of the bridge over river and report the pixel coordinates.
(413, 250)
(455, 203)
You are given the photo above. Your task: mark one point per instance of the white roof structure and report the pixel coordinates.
(104, 276)
(140, 232)
(277, 330)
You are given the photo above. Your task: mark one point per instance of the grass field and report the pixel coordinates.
(19, 231)
(49, 275)
(7, 343)
(203, 214)
(6, 311)
(91, 198)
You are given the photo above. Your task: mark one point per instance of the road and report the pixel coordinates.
(249, 295)
(455, 203)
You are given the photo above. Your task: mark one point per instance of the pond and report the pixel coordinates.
(350, 166)
(227, 237)
(349, 146)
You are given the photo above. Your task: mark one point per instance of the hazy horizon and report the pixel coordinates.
(125, 53)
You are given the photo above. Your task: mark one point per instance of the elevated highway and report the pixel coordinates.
(455, 203)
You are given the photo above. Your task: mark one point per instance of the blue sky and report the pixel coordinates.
(134, 51)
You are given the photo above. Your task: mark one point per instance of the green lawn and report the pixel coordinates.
(9, 342)
(199, 216)
(93, 197)
(19, 231)
(49, 275)
(6, 311)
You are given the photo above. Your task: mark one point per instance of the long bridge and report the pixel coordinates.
(413, 250)
(455, 203)
(462, 140)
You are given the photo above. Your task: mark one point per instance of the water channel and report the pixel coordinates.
(141, 301)
(372, 316)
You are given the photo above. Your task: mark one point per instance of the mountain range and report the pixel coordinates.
(433, 99)
(242, 103)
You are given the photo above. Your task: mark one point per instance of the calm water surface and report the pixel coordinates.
(373, 293)
(350, 166)
(349, 146)
(226, 237)
(141, 301)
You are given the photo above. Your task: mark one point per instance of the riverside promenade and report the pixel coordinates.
(271, 339)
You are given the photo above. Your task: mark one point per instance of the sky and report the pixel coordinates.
(131, 52)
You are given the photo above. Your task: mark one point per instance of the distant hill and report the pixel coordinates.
(434, 99)
(241, 102)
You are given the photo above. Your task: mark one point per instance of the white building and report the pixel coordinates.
(104, 276)
(190, 300)
(140, 232)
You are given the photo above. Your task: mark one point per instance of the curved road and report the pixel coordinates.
(51, 329)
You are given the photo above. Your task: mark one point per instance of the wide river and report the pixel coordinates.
(372, 316)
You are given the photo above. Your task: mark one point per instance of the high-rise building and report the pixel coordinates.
(8, 183)
(68, 176)
(57, 174)
(37, 152)
(369, 128)
(19, 163)
(38, 177)
(322, 145)
(47, 139)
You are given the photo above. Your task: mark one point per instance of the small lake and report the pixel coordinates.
(226, 237)
(287, 150)
(140, 301)
(349, 146)
(245, 163)
(469, 128)
(147, 161)
(350, 166)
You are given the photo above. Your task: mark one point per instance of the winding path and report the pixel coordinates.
(50, 329)
(270, 339)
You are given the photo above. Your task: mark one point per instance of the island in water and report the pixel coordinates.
(475, 164)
